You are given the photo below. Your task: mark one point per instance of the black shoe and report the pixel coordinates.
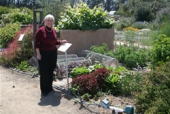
(44, 94)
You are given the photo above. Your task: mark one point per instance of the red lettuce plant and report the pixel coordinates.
(86, 83)
(90, 83)
(101, 74)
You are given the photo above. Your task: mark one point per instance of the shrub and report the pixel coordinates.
(22, 18)
(140, 25)
(153, 96)
(121, 53)
(164, 29)
(15, 53)
(132, 56)
(7, 33)
(129, 82)
(122, 81)
(162, 15)
(130, 36)
(124, 22)
(3, 10)
(100, 49)
(153, 25)
(20, 15)
(161, 49)
(83, 18)
(144, 13)
(132, 60)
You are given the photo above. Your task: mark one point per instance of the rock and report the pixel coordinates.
(33, 62)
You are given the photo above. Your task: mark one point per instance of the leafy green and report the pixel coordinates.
(83, 18)
(161, 49)
(79, 71)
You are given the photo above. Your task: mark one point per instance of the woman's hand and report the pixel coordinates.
(63, 41)
(39, 56)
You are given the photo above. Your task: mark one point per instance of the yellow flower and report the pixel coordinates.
(131, 28)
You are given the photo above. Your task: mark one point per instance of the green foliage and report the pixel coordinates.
(20, 15)
(144, 13)
(26, 50)
(161, 49)
(54, 8)
(143, 10)
(23, 66)
(7, 33)
(153, 95)
(74, 89)
(83, 18)
(121, 53)
(94, 67)
(112, 82)
(86, 97)
(129, 82)
(3, 10)
(165, 28)
(132, 56)
(132, 60)
(90, 83)
(113, 79)
(103, 49)
(130, 36)
(153, 25)
(78, 71)
(124, 22)
(100, 49)
(122, 81)
(140, 25)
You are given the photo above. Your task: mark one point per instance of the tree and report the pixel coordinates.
(54, 7)
(143, 8)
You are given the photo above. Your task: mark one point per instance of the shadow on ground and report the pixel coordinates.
(53, 99)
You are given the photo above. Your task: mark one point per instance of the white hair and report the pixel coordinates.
(49, 16)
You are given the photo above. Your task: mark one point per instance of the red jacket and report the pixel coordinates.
(46, 39)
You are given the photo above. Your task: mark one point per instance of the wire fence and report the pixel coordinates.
(103, 59)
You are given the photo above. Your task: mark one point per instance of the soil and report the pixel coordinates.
(20, 94)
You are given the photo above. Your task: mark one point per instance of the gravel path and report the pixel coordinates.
(20, 94)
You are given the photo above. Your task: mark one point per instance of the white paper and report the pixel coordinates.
(21, 37)
(64, 47)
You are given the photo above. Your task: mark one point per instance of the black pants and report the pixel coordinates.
(46, 68)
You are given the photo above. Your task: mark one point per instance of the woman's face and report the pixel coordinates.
(49, 22)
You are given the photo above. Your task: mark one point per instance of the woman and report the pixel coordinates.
(45, 44)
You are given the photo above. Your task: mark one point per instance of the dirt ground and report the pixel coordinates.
(20, 94)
